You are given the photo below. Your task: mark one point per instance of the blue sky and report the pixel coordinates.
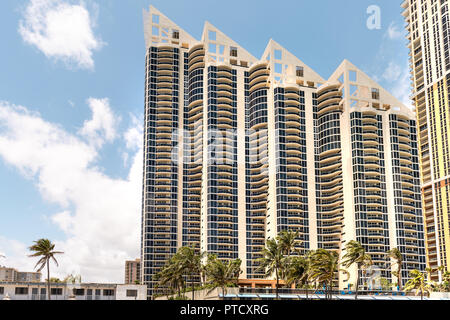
(76, 96)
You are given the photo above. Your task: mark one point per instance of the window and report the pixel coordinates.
(375, 94)
(21, 291)
(233, 52)
(78, 292)
(175, 34)
(132, 293)
(278, 68)
(352, 76)
(98, 292)
(108, 293)
(212, 35)
(278, 55)
(299, 72)
(56, 291)
(2, 290)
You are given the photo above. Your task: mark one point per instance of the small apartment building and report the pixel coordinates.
(7, 274)
(64, 291)
(28, 277)
(13, 275)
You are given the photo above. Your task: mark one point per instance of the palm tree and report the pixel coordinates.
(323, 267)
(356, 254)
(297, 272)
(191, 263)
(45, 249)
(398, 257)
(171, 275)
(287, 241)
(446, 281)
(273, 261)
(222, 274)
(418, 282)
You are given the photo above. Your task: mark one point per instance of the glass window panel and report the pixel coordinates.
(278, 55)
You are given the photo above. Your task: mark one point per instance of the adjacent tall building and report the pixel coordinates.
(428, 25)
(238, 149)
(133, 271)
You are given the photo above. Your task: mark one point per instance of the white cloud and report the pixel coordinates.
(393, 72)
(134, 135)
(102, 126)
(16, 254)
(401, 83)
(61, 30)
(100, 215)
(394, 32)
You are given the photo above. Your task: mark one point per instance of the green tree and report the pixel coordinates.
(191, 263)
(45, 249)
(273, 261)
(72, 279)
(418, 283)
(297, 273)
(385, 284)
(287, 241)
(356, 254)
(323, 267)
(222, 274)
(397, 256)
(171, 275)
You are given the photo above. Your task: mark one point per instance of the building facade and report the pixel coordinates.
(132, 271)
(428, 26)
(12, 275)
(65, 291)
(238, 149)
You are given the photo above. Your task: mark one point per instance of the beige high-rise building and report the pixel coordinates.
(238, 149)
(133, 271)
(428, 25)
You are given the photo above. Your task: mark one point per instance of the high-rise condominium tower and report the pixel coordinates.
(428, 24)
(238, 149)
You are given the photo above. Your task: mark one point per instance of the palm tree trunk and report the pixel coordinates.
(193, 289)
(48, 279)
(307, 298)
(276, 288)
(357, 285)
(400, 277)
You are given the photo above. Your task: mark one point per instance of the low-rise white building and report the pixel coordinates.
(65, 291)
